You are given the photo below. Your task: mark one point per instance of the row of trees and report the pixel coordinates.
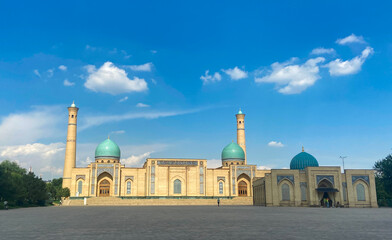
(21, 188)
(384, 181)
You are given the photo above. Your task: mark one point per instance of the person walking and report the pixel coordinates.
(218, 201)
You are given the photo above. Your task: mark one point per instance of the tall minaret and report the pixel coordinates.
(241, 131)
(70, 148)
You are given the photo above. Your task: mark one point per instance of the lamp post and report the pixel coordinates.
(343, 160)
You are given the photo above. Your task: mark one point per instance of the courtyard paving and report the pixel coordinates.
(195, 222)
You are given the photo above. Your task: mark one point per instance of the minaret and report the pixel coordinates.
(70, 148)
(241, 131)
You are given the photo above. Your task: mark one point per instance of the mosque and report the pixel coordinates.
(173, 181)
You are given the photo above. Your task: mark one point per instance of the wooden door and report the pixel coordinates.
(104, 188)
(242, 189)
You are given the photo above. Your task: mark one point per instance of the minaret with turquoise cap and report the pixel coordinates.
(70, 148)
(241, 131)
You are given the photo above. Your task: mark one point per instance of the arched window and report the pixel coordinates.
(285, 192)
(303, 192)
(177, 186)
(129, 187)
(220, 187)
(361, 192)
(80, 187)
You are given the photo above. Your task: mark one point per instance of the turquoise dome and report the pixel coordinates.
(233, 151)
(303, 160)
(107, 149)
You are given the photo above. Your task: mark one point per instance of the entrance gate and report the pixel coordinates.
(242, 189)
(104, 188)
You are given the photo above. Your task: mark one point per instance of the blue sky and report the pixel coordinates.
(305, 73)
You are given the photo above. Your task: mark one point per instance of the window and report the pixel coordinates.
(80, 187)
(177, 186)
(361, 192)
(285, 192)
(129, 187)
(240, 122)
(72, 116)
(303, 193)
(220, 187)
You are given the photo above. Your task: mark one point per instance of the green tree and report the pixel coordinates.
(384, 180)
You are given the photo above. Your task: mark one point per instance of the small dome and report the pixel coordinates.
(73, 104)
(233, 151)
(240, 112)
(108, 149)
(303, 160)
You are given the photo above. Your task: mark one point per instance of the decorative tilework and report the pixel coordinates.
(303, 184)
(181, 163)
(201, 180)
(344, 184)
(102, 170)
(220, 178)
(81, 177)
(364, 178)
(116, 181)
(328, 177)
(288, 177)
(233, 186)
(128, 177)
(152, 190)
(243, 169)
(93, 179)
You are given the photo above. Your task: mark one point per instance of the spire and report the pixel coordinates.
(303, 149)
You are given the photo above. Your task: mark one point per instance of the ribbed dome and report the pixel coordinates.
(303, 160)
(233, 151)
(107, 149)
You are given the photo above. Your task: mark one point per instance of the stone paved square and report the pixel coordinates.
(195, 222)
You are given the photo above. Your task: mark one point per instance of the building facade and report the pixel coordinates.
(304, 184)
(159, 177)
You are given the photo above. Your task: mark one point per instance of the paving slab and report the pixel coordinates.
(195, 222)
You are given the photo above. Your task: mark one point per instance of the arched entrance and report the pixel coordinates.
(242, 189)
(104, 188)
(105, 185)
(326, 193)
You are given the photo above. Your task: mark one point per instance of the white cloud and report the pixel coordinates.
(339, 67)
(320, 51)
(63, 68)
(91, 121)
(39, 123)
(90, 48)
(235, 73)
(123, 99)
(293, 78)
(126, 55)
(135, 160)
(263, 168)
(141, 68)
(68, 83)
(117, 132)
(214, 163)
(350, 39)
(142, 105)
(45, 159)
(113, 80)
(50, 73)
(275, 144)
(36, 72)
(210, 78)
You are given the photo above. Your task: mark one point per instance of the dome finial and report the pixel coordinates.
(73, 104)
(303, 149)
(239, 112)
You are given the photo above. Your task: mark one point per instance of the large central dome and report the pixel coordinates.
(233, 152)
(108, 149)
(303, 160)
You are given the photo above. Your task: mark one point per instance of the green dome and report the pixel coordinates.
(303, 160)
(107, 149)
(233, 151)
